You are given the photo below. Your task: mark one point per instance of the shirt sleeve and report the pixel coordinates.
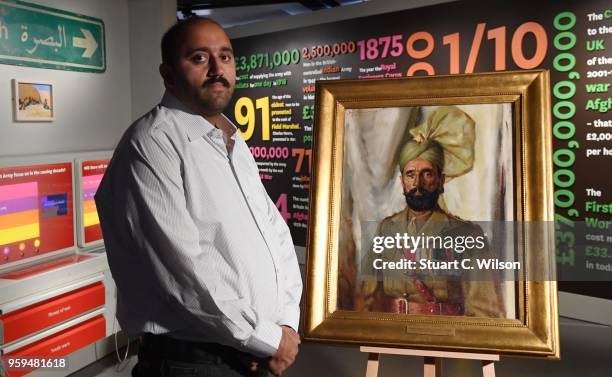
(154, 215)
(291, 276)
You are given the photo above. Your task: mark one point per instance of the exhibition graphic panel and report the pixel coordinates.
(36, 215)
(91, 172)
(273, 105)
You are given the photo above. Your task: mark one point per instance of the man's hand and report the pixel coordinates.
(287, 350)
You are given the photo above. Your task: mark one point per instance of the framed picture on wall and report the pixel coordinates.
(33, 101)
(431, 216)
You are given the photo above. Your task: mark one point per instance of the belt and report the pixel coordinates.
(162, 347)
(431, 308)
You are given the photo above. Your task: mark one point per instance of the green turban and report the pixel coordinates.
(446, 139)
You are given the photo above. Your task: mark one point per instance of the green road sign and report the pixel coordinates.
(37, 36)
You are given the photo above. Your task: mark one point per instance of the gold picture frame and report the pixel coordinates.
(532, 328)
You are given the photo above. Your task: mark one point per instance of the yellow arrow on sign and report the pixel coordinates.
(88, 43)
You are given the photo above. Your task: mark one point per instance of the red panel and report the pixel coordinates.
(36, 317)
(93, 233)
(63, 343)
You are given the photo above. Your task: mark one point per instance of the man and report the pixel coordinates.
(442, 146)
(205, 267)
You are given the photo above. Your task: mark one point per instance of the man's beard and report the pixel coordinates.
(425, 202)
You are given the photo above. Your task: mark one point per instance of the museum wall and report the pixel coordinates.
(148, 19)
(92, 109)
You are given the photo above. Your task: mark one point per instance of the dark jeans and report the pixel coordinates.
(161, 356)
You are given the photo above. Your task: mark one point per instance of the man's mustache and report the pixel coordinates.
(216, 79)
(415, 190)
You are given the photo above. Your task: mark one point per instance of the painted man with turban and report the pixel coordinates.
(441, 148)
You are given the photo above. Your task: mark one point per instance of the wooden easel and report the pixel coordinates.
(432, 366)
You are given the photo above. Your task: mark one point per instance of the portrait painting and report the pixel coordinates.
(474, 143)
(33, 101)
(427, 195)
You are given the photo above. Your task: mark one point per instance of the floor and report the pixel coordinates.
(586, 351)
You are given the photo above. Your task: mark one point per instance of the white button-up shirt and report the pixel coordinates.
(195, 245)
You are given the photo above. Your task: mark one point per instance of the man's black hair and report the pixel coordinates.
(171, 40)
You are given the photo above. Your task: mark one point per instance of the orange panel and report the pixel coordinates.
(16, 219)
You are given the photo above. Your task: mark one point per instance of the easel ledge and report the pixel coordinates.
(432, 366)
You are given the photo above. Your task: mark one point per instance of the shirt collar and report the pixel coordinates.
(195, 125)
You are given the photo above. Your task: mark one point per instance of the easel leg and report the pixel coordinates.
(372, 367)
(488, 368)
(432, 367)
(432, 360)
